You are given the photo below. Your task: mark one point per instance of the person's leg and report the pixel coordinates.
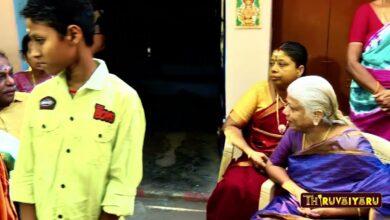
(236, 196)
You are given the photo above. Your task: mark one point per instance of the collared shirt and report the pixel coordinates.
(81, 154)
(11, 116)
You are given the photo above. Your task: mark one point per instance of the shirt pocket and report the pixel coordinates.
(103, 136)
(46, 141)
(45, 125)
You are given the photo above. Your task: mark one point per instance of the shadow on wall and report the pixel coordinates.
(330, 69)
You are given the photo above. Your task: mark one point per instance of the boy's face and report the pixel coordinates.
(53, 52)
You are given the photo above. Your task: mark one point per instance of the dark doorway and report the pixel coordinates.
(169, 51)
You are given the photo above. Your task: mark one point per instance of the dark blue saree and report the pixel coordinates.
(345, 163)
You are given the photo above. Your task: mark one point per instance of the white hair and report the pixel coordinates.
(317, 94)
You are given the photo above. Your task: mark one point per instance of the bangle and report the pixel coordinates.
(359, 213)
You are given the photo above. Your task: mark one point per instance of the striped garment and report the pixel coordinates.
(365, 112)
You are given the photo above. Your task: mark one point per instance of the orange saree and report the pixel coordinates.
(7, 208)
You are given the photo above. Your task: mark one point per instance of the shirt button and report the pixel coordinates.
(43, 126)
(59, 216)
(67, 150)
(100, 135)
(62, 185)
(71, 118)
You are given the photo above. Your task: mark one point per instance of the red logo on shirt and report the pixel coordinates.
(103, 114)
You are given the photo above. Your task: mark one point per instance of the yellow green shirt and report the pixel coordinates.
(11, 116)
(82, 154)
(255, 99)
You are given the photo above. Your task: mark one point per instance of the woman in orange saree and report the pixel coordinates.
(255, 125)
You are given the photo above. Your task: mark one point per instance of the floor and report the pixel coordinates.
(168, 209)
(182, 148)
(180, 163)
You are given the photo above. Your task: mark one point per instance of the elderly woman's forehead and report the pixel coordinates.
(3, 59)
(5, 66)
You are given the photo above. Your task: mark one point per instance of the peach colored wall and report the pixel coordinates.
(9, 35)
(247, 52)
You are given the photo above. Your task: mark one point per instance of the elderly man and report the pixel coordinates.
(11, 114)
(12, 103)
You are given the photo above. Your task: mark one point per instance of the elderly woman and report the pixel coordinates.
(255, 125)
(323, 153)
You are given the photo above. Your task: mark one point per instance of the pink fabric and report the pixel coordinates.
(365, 23)
(366, 123)
(383, 76)
(23, 83)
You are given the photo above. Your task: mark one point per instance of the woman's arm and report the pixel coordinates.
(233, 131)
(336, 212)
(278, 174)
(358, 72)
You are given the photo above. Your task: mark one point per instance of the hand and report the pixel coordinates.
(298, 194)
(383, 99)
(316, 212)
(259, 159)
(106, 216)
(324, 212)
(310, 213)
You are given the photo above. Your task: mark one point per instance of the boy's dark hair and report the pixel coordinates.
(25, 41)
(59, 14)
(296, 51)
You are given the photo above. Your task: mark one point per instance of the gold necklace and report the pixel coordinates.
(281, 127)
(33, 79)
(323, 139)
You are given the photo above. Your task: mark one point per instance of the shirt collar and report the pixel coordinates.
(98, 77)
(20, 96)
(96, 81)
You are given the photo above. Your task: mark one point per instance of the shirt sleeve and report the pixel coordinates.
(364, 145)
(247, 104)
(21, 181)
(284, 149)
(125, 171)
(360, 24)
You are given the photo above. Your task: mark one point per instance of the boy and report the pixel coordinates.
(81, 147)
